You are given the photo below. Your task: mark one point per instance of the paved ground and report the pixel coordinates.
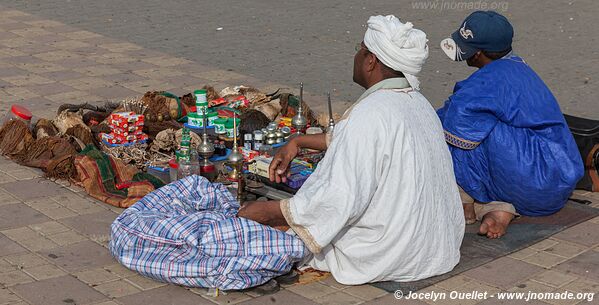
(53, 237)
(313, 41)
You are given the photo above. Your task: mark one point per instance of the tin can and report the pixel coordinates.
(272, 126)
(286, 131)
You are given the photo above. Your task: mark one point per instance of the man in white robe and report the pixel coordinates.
(383, 204)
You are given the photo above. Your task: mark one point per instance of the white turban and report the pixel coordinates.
(397, 45)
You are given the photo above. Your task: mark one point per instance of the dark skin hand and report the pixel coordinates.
(278, 170)
(264, 212)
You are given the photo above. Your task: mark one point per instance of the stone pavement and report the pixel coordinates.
(53, 237)
(313, 41)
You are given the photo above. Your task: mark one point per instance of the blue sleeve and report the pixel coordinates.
(471, 113)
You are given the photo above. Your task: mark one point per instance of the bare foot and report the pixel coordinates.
(469, 214)
(494, 224)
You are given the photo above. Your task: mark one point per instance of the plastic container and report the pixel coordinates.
(201, 101)
(219, 126)
(195, 120)
(17, 112)
(211, 117)
(229, 128)
(173, 167)
(189, 167)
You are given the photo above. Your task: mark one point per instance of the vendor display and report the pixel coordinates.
(145, 133)
(123, 153)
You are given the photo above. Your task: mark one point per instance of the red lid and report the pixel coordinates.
(173, 163)
(21, 112)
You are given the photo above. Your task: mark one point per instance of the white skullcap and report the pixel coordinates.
(397, 45)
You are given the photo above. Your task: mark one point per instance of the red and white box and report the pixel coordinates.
(142, 137)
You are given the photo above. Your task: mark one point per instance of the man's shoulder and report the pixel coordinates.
(390, 98)
(378, 104)
(391, 107)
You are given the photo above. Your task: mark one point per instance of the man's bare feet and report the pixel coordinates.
(495, 223)
(469, 214)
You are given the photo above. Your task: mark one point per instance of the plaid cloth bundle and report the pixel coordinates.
(187, 233)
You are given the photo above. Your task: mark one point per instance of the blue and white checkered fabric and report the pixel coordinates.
(187, 233)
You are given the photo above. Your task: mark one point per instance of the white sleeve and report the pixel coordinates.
(342, 186)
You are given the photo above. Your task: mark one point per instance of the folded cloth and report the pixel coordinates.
(111, 180)
(187, 233)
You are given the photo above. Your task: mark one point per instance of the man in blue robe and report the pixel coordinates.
(512, 150)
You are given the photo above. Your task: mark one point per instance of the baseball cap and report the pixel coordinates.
(481, 31)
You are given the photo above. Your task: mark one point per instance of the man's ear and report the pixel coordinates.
(370, 62)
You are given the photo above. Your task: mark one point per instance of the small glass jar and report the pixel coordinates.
(247, 141)
(173, 167)
(189, 166)
(17, 112)
(258, 139)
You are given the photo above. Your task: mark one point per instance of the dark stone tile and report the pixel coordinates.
(4, 84)
(585, 265)
(281, 297)
(35, 48)
(43, 188)
(62, 75)
(135, 65)
(584, 234)
(58, 291)
(8, 35)
(390, 299)
(114, 92)
(122, 77)
(50, 89)
(19, 215)
(95, 225)
(38, 103)
(495, 301)
(8, 247)
(8, 72)
(14, 25)
(182, 81)
(74, 63)
(504, 272)
(166, 295)
(25, 59)
(79, 256)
